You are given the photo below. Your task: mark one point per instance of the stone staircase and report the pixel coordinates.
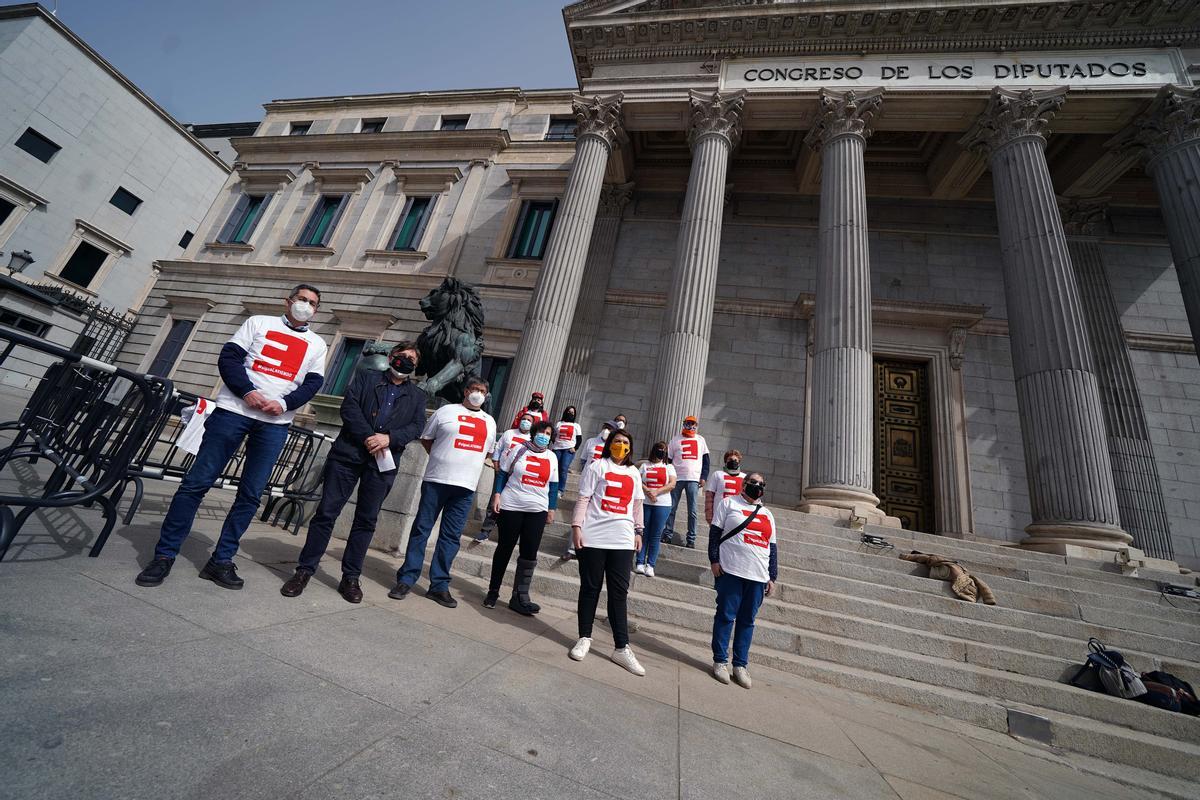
(869, 622)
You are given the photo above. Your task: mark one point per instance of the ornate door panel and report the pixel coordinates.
(903, 460)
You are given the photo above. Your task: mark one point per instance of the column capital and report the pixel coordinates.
(613, 199)
(1013, 115)
(599, 116)
(718, 114)
(844, 114)
(1171, 119)
(1084, 216)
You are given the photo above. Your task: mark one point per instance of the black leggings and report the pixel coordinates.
(516, 526)
(595, 567)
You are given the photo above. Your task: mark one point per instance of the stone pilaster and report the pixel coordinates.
(577, 364)
(840, 469)
(1140, 501)
(1168, 137)
(716, 127)
(1071, 492)
(539, 359)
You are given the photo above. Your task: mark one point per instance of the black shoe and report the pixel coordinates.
(295, 584)
(667, 538)
(223, 575)
(399, 591)
(443, 598)
(490, 600)
(155, 572)
(350, 590)
(691, 545)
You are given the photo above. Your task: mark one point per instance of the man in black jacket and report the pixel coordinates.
(381, 413)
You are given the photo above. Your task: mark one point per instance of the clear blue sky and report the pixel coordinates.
(220, 60)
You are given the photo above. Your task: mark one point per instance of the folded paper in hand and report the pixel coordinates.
(384, 460)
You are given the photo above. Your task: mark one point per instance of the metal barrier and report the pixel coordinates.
(87, 419)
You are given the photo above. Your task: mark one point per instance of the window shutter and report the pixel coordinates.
(235, 219)
(426, 213)
(314, 219)
(258, 215)
(514, 244)
(333, 222)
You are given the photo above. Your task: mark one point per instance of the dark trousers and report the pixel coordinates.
(340, 478)
(597, 566)
(224, 432)
(516, 527)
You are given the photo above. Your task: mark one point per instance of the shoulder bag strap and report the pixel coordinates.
(741, 527)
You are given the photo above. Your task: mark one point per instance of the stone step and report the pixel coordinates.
(660, 600)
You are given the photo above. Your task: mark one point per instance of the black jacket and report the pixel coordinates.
(360, 411)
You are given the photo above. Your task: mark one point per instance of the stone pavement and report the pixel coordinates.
(110, 690)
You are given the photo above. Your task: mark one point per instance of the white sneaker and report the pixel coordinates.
(741, 677)
(640, 569)
(581, 648)
(721, 672)
(649, 571)
(628, 660)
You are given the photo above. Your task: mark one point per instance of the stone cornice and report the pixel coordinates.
(263, 179)
(719, 113)
(1012, 115)
(345, 179)
(293, 274)
(113, 242)
(28, 197)
(844, 114)
(402, 99)
(468, 143)
(416, 179)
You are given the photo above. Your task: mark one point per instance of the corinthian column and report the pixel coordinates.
(544, 339)
(840, 474)
(577, 365)
(1135, 474)
(1168, 137)
(716, 127)
(1071, 492)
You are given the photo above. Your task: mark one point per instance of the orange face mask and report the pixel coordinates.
(619, 450)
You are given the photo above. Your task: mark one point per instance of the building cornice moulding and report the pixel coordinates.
(403, 99)
(30, 198)
(444, 145)
(107, 238)
(293, 274)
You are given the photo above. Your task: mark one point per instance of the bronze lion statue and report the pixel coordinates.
(451, 346)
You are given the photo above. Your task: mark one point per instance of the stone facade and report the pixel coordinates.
(714, 256)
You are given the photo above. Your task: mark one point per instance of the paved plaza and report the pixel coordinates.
(189, 691)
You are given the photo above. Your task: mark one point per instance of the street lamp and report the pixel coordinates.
(17, 262)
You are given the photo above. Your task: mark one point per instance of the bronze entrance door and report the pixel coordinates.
(903, 461)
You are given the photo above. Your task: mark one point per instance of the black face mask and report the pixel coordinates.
(534, 405)
(403, 364)
(568, 416)
(660, 454)
(732, 464)
(753, 490)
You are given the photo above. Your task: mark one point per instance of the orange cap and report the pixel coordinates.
(691, 419)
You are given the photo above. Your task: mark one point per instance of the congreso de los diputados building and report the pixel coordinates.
(932, 262)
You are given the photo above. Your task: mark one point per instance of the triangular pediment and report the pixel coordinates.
(596, 9)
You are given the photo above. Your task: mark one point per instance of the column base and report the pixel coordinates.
(838, 502)
(1098, 542)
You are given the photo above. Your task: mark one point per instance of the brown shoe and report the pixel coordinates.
(295, 584)
(350, 590)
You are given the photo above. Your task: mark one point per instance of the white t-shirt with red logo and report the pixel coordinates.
(687, 454)
(565, 434)
(748, 554)
(529, 477)
(612, 489)
(509, 441)
(277, 360)
(592, 449)
(658, 476)
(724, 484)
(462, 438)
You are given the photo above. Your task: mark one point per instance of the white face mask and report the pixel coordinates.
(604, 433)
(525, 425)
(620, 424)
(302, 310)
(476, 398)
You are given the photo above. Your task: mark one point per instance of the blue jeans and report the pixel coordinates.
(453, 503)
(655, 517)
(565, 457)
(738, 600)
(690, 487)
(223, 434)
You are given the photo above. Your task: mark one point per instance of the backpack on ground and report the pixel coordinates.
(1106, 671)
(1165, 683)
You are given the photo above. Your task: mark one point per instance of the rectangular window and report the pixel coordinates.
(323, 221)
(562, 129)
(495, 371)
(186, 239)
(299, 128)
(454, 123)
(84, 263)
(371, 125)
(22, 323)
(6, 208)
(341, 369)
(37, 145)
(412, 223)
(241, 223)
(533, 229)
(171, 348)
(125, 200)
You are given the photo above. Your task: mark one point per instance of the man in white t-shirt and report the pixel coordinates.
(723, 483)
(689, 453)
(271, 367)
(458, 438)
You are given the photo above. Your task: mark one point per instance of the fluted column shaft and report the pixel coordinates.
(1071, 492)
(687, 324)
(548, 322)
(577, 363)
(1135, 475)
